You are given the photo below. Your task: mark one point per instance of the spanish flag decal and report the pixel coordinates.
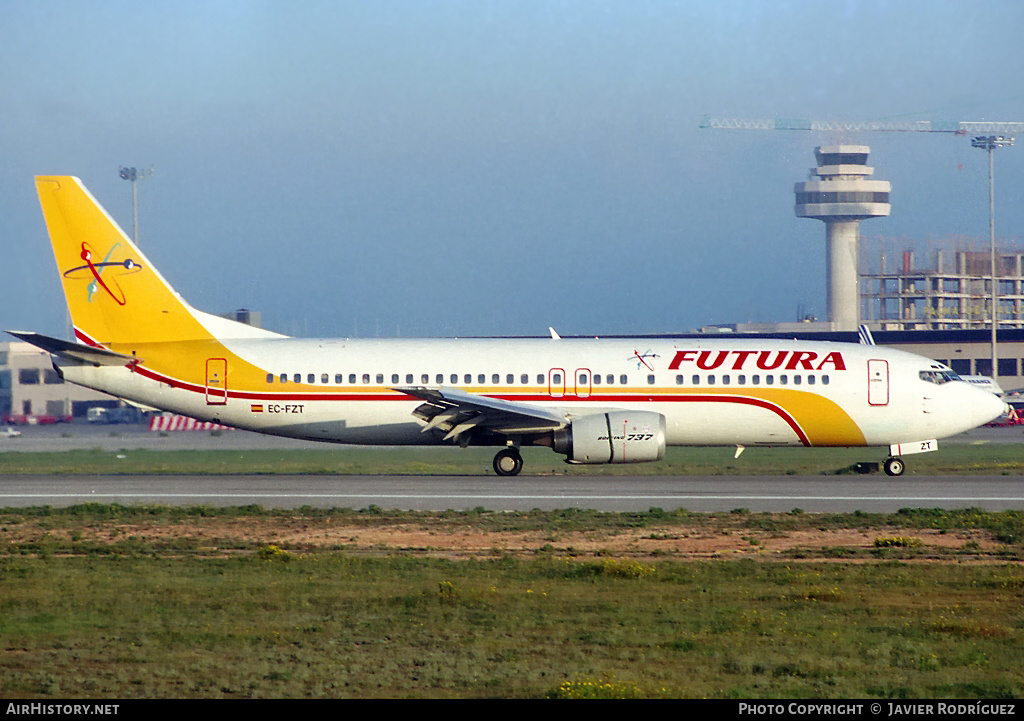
(256, 408)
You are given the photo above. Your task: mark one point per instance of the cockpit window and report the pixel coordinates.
(938, 377)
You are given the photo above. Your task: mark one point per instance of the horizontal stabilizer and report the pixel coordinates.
(75, 351)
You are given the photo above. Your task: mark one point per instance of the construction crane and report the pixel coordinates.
(891, 126)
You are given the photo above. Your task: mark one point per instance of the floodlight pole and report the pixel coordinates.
(990, 143)
(135, 175)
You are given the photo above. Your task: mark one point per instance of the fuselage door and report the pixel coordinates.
(556, 382)
(216, 381)
(878, 382)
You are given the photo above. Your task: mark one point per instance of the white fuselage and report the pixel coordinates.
(711, 392)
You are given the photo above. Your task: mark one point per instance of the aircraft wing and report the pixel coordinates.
(75, 351)
(457, 411)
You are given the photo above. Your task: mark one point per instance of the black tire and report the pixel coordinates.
(508, 462)
(894, 466)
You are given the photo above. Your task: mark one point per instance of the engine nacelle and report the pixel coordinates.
(617, 437)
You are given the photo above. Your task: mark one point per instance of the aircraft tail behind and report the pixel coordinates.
(114, 293)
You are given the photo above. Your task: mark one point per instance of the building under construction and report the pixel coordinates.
(940, 284)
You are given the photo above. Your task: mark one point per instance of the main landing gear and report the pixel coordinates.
(894, 466)
(508, 462)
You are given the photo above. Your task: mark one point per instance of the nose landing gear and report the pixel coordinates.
(894, 466)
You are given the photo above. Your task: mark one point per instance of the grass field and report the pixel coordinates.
(119, 602)
(992, 458)
(108, 601)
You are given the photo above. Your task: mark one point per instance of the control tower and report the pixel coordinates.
(842, 196)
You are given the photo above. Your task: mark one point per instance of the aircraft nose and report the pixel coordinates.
(987, 407)
(975, 407)
(964, 407)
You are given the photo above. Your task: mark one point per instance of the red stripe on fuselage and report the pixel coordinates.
(376, 397)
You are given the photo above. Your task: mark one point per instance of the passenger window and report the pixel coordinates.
(439, 378)
(650, 380)
(769, 380)
(610, 379)
(556, 378)
(679, 380)
(495, 378)
(366, 377)
(481, 378)
(408, 378)
(756, 380)
(394, 378)
(425, 378)
(810, 380)
(540, 379)
(742, 380)
(524, 379)
(510, 379)
(338, 378)
(284, 377)
(696, 380)
(351, 377)
(454, 378)
(324, 378)
(583, 379)
(783, 379)
(270, 377)
(597, 379)
(796, 380)
(297, 378)
(380, 377)
(311, 378)
(467, 379)
(623, 379)
(725, 380)
(824, 380)
(711, 380)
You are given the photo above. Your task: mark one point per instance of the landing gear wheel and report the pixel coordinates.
(508, 462)
(894, 466)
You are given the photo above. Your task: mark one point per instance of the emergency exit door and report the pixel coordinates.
(878, 382)
(216, 381)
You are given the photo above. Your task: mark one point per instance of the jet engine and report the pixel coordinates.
(616, 437)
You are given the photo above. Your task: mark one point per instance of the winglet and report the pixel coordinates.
(554, 334)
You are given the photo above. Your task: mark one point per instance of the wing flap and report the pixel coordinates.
(456, 412)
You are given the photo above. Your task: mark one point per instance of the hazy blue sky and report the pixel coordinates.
(490, 167)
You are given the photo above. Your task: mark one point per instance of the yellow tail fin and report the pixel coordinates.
(114, 293)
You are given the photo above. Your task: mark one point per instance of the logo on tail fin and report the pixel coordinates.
(95, 271)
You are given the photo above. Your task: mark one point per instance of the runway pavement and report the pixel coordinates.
(523, 493)
(622, 493)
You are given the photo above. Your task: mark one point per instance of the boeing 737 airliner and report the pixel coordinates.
(617, 400)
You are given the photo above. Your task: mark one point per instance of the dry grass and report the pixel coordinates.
(107, 601)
